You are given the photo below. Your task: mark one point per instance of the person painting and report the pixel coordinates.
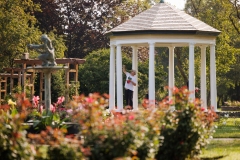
(130, 82)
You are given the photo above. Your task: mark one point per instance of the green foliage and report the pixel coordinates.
(185, 130)
(42, 120)
(147, 134)
(13, 142)
(116, 135)
(222, 15)
(59, 147)
(57, 42)
(94, 74)
(83, 27)
(58, 87)
(62, 152)
(73, 89)
(16, 30)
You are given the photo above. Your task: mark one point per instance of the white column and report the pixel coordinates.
(191, 76)
(203, 89)
(119, 80)
(171, 71)
(135, 67)
(213, 83)
(151, 76)
(112, 78)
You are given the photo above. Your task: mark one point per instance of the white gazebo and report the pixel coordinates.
(162, 26)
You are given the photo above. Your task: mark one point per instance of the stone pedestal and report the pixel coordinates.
(47, 70)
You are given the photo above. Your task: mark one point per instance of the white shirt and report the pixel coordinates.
(129, 85)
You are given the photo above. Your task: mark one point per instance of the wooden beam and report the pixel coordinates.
(12, 75)
(72, 70)
(58, 61)
(76, 78)
(12, 69)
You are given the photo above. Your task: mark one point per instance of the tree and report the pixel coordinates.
(84, 23)
(219, 14)
(94, 74)
(16, 29)
(49, 16)
(235, 14)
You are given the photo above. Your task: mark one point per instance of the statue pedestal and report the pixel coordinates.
(47, 70)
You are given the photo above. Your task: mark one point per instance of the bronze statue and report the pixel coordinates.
(47, 51)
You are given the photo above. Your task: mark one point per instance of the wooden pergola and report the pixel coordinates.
(24, 75)
(11, 74)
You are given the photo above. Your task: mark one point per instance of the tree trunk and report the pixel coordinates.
(179, 65)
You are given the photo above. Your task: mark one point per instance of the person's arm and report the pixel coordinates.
(124, 69)
(133, 83)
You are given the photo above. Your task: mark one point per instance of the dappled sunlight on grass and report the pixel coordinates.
(227, 128)
(227, 132)
(227, 149)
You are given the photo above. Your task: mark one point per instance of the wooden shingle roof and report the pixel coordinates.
(164, 18)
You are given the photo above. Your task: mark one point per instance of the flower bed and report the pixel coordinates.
(230, 108)
(152, 133)
(230, 113)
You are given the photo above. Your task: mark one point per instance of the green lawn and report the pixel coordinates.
(227, 128)
(221, 147)
(226, 149)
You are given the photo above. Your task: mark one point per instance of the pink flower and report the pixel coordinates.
(69, 111)
(170, 102)
(33, 149)
(175, 90)
(52, 108)
(89, 100)
(131, 117)
(35, 100)
(60, 100)
(41, 109)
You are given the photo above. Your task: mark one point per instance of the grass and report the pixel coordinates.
(221, 147)
(227, 128)
(222, 150)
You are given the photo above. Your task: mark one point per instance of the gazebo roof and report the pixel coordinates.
(164, 18)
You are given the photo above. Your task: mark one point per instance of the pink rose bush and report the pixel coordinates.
(157, 132)
(35, 101)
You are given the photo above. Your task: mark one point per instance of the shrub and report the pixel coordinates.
(13, 142)
(158, 132)
(187, 129)
(62, 152)
(117, 135)
(54, 117)
(44, 119)
(57, 146)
